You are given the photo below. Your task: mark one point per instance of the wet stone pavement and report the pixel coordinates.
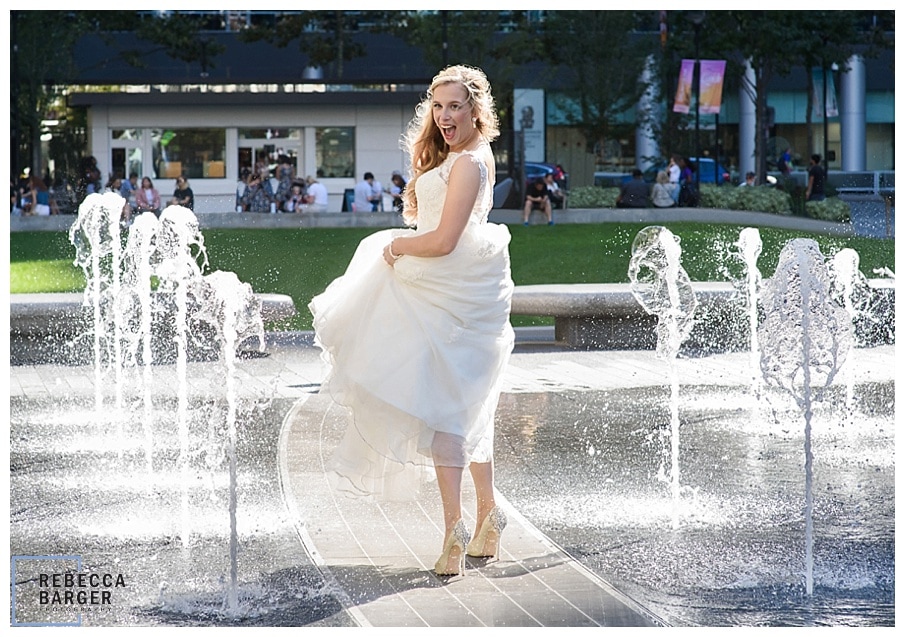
(579, 449)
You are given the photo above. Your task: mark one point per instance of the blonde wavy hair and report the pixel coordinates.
(423, 142)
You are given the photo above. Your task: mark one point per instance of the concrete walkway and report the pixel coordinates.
(62, 223)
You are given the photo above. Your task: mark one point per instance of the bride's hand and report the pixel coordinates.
(387, 254)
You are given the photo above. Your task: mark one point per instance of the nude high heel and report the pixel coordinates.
(452, 561)
(486, 542)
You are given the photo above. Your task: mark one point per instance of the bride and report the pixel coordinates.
(416, 332)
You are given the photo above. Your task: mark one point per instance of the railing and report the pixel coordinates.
(877, 182)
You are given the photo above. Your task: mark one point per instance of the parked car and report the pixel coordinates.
(539, 170)
(533, 170)
(706, 166)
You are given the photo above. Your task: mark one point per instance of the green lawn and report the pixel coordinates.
(301, 262)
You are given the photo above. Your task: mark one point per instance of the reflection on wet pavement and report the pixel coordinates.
(586, 469)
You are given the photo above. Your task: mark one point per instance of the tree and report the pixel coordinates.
(41, 61)
(495, 41)
(833, 38)
(600, 61)
(326, 37)
(774, 42)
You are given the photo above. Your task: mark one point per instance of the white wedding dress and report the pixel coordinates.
(416, 352)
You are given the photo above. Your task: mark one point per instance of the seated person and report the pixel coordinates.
(182, 194)
(661, 194)
(538, 199)
(315, 197)
(750, 179)
(396, 190)
(634, 193)
(147, 199)
(556, 194)
(298, 197)
(365, 198)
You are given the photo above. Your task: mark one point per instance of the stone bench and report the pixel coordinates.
(607, 316)
(46, 327)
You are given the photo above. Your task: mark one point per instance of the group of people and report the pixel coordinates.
(280, 190)
(369, 193)
(672, 187)
(544, 194)
(261, 191)
(32, 197)
(144, 197)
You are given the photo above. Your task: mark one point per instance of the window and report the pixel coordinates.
(197, 153)
(264, 147)
(125, 152)
(335, 151)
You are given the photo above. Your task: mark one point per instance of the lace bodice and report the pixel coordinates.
(431, 188)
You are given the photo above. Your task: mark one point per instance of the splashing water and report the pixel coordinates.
(232, 309)
(135, 299)
(849, 281)
(178, 233)
(663, 288)
(95, 235)
(119, 287)
(750, 245)
(805, 338)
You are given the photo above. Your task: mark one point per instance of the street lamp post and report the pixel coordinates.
(697, 19)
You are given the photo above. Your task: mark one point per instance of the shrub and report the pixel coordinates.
(593, 197)
(757, 198)
(830, 209)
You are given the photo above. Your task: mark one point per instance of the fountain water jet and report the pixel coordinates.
(850, 282)
(232, 309)
(119, 284)
(806, 337)
(96, 237)
(750, 245)
(178, 268)
(137, 273)
(662, 287)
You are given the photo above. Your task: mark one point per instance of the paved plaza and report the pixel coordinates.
(380, 555)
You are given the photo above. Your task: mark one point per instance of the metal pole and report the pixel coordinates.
(697, 108)
(826, 156)
(443, 17)
(717, 178)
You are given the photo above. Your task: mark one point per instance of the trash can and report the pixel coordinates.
(348, 199)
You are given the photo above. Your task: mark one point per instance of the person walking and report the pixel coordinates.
(816, 190)
(416, 331)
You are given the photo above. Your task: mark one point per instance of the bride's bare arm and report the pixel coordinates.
(462, 191)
